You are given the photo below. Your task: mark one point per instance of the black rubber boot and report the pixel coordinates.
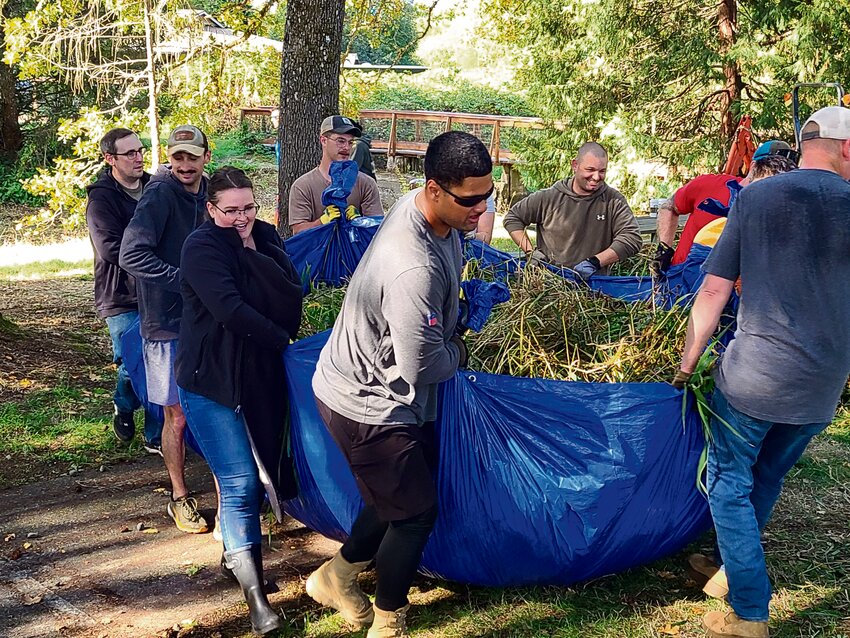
(247, 566)
(269, 586)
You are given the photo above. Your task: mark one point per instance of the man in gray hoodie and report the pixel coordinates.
(582, 223)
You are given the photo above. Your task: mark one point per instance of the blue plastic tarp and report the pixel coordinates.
(329, 254)
(539, 482)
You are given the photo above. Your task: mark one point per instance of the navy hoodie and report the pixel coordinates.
(150, 250)
(108, 211)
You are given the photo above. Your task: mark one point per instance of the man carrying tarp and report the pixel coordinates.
(376, 381)
(306, 210)
(172, 206)
(582, 223)
(780, 379)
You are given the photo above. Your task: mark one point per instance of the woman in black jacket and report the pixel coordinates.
(241, 306)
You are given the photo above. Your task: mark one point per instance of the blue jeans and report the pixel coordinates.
(124, 398)
(745, 478)
(223, 439)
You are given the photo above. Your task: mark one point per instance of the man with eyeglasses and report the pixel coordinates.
(581, 222)
(172, 206)
(688, 200)
(336, 136)
(111, 202)
(394, 341)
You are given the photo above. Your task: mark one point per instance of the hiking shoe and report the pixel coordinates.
(389, 624)
(153, 447)
(722, 625)
(185, 513)
(716, 586)
(123, 426)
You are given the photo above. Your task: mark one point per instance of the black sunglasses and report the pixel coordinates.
(467, 202)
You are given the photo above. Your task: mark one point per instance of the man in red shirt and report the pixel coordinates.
(687, 200)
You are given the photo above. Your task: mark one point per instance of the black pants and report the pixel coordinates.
(393, 465)
(397, 548)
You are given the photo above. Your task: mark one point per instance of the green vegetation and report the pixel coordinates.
(48, 270)
(65, 423)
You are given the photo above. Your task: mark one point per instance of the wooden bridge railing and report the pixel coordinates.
(393, 146)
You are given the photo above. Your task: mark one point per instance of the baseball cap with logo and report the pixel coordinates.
(189, 139)
(832, 123)
(341, 125)
(773, 147)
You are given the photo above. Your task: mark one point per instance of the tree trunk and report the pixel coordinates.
(153, 114)
(11, 138)
(309, 89)
(727, 23)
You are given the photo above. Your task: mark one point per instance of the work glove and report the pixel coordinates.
(462, 317)
(681, 379)
(536, 258)
(660, 262)
(331, 213)
(587, 268)
(464, 352)
(351, 212)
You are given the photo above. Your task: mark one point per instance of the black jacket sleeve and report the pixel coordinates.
(142, 237)
(105, 228)
(207, 269)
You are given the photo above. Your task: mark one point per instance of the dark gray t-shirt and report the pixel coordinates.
(389, 346)
(788, 238)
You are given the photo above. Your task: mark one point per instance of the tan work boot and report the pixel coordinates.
(728, 625)
(389, 624)
(717, 586)
(334, 585)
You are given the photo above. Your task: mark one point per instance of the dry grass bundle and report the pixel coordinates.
(552, 329)
(320, 308)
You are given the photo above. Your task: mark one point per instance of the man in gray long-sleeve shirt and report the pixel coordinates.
(582, 223)
(376, 381)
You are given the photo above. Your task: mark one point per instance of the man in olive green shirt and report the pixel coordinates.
(582, 223)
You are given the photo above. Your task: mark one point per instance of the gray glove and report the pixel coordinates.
(536, 258)
(587, 268)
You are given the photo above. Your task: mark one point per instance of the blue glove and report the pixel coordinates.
(587, 268)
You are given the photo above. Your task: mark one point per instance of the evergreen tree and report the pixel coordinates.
(668, 79)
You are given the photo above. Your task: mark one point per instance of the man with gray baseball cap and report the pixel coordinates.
(336, 135)
(779, 381)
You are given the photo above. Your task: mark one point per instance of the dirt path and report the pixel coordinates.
(73, 563)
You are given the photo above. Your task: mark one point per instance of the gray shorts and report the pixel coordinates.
(159, 371)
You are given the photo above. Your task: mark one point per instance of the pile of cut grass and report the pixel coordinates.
(553, 329)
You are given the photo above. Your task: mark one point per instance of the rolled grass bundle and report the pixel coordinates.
(553, 329)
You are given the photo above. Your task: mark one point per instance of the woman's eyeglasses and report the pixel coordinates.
(467, 202)
(233, 213)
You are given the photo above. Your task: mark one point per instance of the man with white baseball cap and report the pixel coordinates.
(306, 210)
(779, 381)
